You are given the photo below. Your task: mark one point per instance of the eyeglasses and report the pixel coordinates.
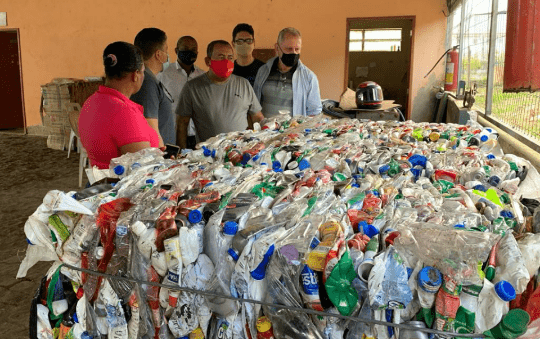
(242, 41)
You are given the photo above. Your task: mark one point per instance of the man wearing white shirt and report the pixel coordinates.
(178, 74)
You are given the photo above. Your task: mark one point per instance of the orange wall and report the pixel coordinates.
(67, 38)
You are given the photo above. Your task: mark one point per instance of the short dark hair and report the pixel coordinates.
(149, 40)
(121, 58)
(184, 38)
(243, 28)
(210, 48)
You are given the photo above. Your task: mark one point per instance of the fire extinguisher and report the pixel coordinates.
(452, 64)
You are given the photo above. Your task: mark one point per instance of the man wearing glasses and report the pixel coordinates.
(245, 65)
(153, 96)
(284, 84)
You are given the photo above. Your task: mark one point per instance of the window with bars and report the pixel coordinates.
(375, 40)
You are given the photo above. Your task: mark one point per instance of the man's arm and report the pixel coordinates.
(313, 100)
(182, 124)
(154, 124)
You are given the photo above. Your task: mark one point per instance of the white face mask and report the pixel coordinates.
(244, 49)
(166, 64)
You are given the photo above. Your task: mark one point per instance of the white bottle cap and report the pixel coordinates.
(100, 252)
(138, 228)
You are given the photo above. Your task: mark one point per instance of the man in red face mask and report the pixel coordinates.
(217, 101)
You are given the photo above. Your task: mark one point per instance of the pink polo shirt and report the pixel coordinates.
(108, 121)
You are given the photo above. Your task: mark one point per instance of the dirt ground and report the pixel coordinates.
(28, 170)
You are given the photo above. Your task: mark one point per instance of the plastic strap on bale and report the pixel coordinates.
(290, 308)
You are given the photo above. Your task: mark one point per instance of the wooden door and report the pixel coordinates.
(11, 97)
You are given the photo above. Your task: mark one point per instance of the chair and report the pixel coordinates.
(73, 111)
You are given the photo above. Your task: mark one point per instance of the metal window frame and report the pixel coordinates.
(364, 40)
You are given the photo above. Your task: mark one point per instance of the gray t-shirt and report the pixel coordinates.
(277, 92)
(217, 108)
(157, 104)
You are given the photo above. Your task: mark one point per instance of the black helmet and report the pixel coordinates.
(369, 95)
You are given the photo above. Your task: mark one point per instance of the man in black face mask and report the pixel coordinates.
(284, 85)
(178, 74)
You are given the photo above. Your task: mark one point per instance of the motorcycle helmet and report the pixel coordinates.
(369, 95)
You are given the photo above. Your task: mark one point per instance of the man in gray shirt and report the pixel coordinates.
(217, 101)
(153, 96)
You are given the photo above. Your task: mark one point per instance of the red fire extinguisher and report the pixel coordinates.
(452, 64)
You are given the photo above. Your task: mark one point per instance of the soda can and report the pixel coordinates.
(264, 328)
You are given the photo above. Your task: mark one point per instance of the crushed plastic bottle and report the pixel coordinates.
(337, 216)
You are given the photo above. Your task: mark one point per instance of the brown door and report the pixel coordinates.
(11, 108)
(380, 50)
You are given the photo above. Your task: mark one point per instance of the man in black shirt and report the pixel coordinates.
(245, 65)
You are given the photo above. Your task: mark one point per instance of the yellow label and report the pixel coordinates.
(317, 258)
(449, 78)
(58, 225)
(196, 334)
(263, 324)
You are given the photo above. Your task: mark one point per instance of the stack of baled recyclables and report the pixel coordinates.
(303, 228)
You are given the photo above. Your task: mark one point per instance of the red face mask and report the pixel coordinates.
(222, 68)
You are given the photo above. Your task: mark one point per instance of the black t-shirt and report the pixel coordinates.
(249, 72)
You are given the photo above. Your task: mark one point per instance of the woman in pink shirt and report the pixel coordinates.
(110, 124)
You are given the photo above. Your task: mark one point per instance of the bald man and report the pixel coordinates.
(178, 74)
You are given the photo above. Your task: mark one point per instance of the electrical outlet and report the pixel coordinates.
(3, 18)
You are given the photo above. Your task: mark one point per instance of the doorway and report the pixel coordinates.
(380, 50)
(12, 115)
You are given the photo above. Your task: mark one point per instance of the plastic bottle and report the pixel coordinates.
(174, 264)
(493, 304)
(147, 238)
(429, 282)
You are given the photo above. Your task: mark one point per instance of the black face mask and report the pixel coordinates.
(187, 57)
(290, 60)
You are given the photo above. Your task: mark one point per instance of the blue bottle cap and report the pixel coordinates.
(370, 230)
(484, 138)
(184, 337)
(505, 290)
(259, 272)
(75, 318)
(279, 170)
(209, 184)
(276, 165)
(459, 226)
(113, 184)
(430, 279)
(194, 216)
(213, 155)
(489, 130)
(119, 169)
(135, 165)
(384, 169)
(206, 152)
(230, 228)
(245, 158)
(418, 160)
(86, 335)
(304, 164)
(307, 130)
(257, 156)
(490, 156)
(28, 241)
(494, 180)
(264, 164)
(150, 181)
(481, 188)
(233, 254)
(355, 185)
(348, 161)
